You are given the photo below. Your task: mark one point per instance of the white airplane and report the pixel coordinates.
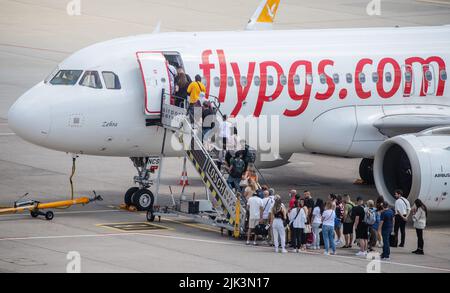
(380, 94)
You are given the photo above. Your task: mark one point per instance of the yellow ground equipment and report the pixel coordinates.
(35, 207)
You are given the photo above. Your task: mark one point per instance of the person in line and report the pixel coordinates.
(235, 173)
(255, 208)
(195, 90)
(362, 229)
(208, 116)
(385, 229)
(309, 204)
(402, 211)
(293, 197)
(172, 76)
(348, 221)
(251, 174)
(278, 216)
(297, 221)
(332, 197)
(419, 217)
(225, 132)
(328, 228)
(251, 189)
(268, 203)
(379, 206)
(316, 222)
(373, 229)
(182, 82)
(339, 218)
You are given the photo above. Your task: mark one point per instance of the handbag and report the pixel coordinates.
(243, 183)
(308, 229)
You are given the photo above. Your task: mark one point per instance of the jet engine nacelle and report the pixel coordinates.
(419, 164)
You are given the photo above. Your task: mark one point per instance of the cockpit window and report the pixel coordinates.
(91, 79)
(111, 80)
(66, 77)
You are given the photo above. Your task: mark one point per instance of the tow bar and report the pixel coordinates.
(35, 207)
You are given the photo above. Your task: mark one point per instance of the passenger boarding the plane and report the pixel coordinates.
(195, 90)
(182, 81)
(172, 76)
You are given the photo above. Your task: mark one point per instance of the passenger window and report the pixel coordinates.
(244, 81)
(257, 81)
(375, 77)
(230, 81)
(91, 79)
(112, 80)
(388, 77)
(283, 79)
(336, 78)
(408, 76)
(428, 75)
(309, 79)
(270, 80)
(323, 79)
(296, 79)
(362, 77)
(443, 75)
(216, 81)
(349, 77)
(66, 77)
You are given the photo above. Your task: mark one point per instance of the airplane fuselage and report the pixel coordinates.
(326, 87)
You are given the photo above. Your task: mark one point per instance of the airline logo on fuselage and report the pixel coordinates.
(388, 74)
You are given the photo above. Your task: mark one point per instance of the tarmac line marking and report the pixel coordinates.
(193, 225)
(211, 242)
(112, 226)
(7, 134)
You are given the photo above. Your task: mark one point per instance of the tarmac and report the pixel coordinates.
(36, 35)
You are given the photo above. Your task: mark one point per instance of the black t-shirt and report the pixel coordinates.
(309, 203)
(359, 211)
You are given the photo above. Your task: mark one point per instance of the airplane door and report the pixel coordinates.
(155, 75)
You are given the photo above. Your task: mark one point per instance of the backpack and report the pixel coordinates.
(369, 216)
(238, 168)
(350, 212)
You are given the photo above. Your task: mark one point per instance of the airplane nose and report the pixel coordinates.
(29, 117)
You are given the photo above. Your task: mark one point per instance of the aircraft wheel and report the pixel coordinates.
(366, 171)
(129, 194)
(150, 215)
(143, 200)
(34, 214)
(49, 215)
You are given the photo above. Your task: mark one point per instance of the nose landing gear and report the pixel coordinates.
(141, 197)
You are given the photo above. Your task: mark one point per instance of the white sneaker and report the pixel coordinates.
(334, 253)
(386, 259)
(254, 243)
(379, 245)
(361, 253)
(326, 253)
(284, 251)
(276, 250)
(248, 242)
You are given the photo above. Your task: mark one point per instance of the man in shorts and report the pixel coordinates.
(255, 208)
(362, 229)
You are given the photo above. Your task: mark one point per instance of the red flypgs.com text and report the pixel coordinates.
(214, 61)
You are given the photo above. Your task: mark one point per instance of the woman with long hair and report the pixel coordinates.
(316, 222)
(181, 85)
(277, 219)
(328, 217)
(419, 217)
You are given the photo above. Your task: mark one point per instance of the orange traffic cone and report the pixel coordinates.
(184, 179)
